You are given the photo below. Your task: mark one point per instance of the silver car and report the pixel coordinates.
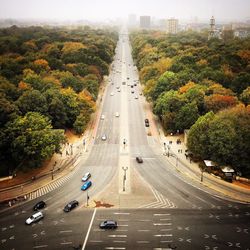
(34, 218)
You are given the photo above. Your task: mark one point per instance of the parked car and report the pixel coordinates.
(146, 122)
(86, 185)
(117, 114)
(139, 159)
(132, 91)
(108, 224)
(34, 218)
(86, 177)
(39, 205)
(102, 117)
(136, 97)
(104, 137)
(112, 93)
(70, 206)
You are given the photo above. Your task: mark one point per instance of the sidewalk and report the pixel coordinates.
(175, 154)
(16, 190)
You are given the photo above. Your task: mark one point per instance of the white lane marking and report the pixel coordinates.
(166, 219)
(96, 241)
(123, 213)
(119, 241)
(66, 243)
(166, 241)
(143, 220)
(115, 248)
(65, 231)
(41, 246)
(123, 225)
(166, 229)
(121, 230)
(161, 214)
(163, 235)
(143, 230)
(117, 235)
(90, 225)
(142, 242)
(162, 224)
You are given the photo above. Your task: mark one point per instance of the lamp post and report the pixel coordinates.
(168, 150)
(124, 177)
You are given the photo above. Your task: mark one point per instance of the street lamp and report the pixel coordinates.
(124, 177)
(168, 150)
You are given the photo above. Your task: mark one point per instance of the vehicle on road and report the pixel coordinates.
(86, 177)
(102, 117)
(136, 97)
(117, 114)
(146, 122)
(86, 185)
(108, 224)
(39, 205)
(104, 137)
(139, 159)
(34, 218)
(70, 206)
(112, 93)
(132, 91)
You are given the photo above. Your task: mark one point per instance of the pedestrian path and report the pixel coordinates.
(161, 201)
(50, 187)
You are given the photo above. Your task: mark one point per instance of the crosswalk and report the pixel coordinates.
(50, 187)
(161, 201)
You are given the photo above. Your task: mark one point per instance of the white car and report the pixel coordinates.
(86, 177)
(34, 218)
(112, 93)
(117, 114)
(104, 137)
(136, 97)
(102, 117)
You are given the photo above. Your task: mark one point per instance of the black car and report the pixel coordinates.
(139, 159)
(146, 122)
(108, 224)
(70, 206)
(39, 205)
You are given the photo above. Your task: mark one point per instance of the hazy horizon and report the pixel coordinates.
(97, 10)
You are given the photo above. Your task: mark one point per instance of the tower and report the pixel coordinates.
(212, 28)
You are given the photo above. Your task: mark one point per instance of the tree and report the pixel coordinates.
(32, 100)
(32, 140)
(198, 140)
(245, 96)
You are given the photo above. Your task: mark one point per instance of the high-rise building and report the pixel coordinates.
(213, 32)
(131, 20)
(172, 26)
(145, 22)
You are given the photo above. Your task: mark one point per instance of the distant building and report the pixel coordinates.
(213, 32)
(131, 20)
(242, 33)
(145, 22)
(172, 26)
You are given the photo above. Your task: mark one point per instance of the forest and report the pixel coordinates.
(202, 86)
(49, 82)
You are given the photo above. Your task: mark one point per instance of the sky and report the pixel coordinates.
(97, 10)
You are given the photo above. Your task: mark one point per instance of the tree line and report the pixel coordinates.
(202, 85)
(49, 82)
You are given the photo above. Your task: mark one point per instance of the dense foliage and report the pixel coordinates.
(49, 81)
(195, 82)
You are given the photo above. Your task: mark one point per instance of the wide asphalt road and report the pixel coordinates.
(193, 217)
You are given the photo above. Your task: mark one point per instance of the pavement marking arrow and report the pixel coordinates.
(215, 248)
(230, 244)
(43, 233)
(188, 240)
(179, 228)
(207, 247)
(34, 235)
(187, 228)
(12, 226)
(4, 228)
(238, 229)
(180, 239)
(3, 240)
(206, 236)
(246, 230)
(214, 237)
(12, 237)
(238, 245)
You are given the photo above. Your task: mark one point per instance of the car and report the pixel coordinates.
(117, 87)
(39, 205)
(136, 97)
(34, 218)
(132, 86)
(86, 177)
(123, 83)
(102, 117)
(139, 159)
(86, 185)
(108, 224)
(70, 206)
(104, 137)
(117, 114)
(146, 122)
(119, 90)
(111, 93)
(132, 91)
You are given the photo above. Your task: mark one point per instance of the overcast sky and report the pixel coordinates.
(110, 9)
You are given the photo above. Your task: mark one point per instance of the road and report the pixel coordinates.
(156, 207)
